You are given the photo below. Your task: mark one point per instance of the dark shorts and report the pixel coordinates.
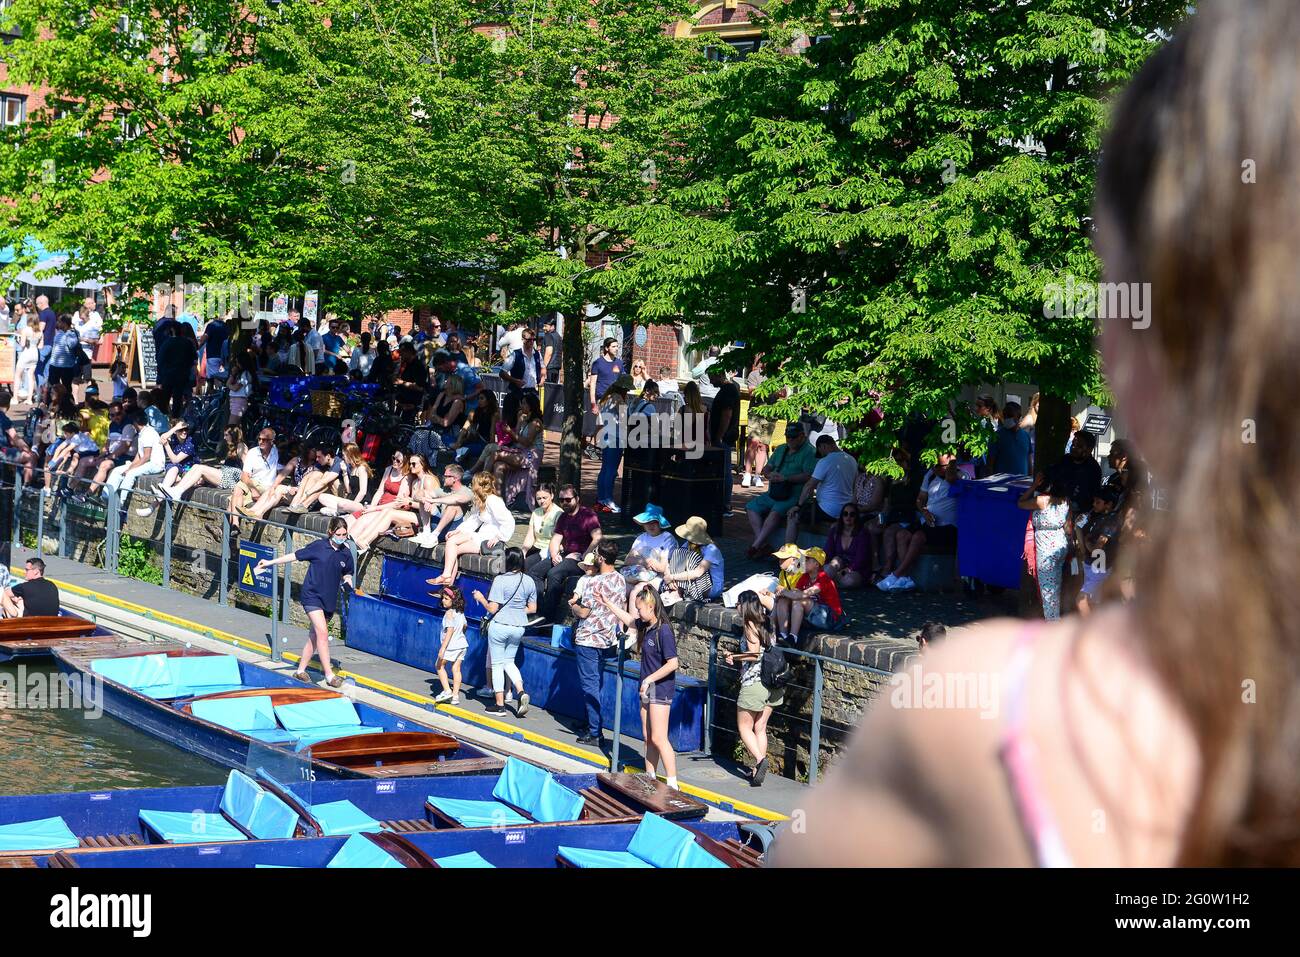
(664, 692)
(940, 536)
(308, 608)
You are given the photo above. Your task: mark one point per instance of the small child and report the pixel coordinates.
(454, 644)
(117, 371)
(814, 598)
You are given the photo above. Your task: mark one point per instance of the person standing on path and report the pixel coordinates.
(329, 565)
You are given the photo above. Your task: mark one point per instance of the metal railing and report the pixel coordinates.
(114, 505)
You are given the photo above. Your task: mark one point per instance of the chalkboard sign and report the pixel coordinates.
(144, 368)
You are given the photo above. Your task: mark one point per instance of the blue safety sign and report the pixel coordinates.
(250, 553)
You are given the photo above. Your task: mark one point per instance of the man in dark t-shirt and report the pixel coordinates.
(552, 349)
(577, 532)
(37, 596)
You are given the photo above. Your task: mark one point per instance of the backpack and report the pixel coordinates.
(775, 671)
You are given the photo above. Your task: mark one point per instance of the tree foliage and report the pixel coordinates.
(880, 211)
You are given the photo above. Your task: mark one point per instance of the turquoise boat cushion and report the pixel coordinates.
(661, 843)
(263, 814)
(190, 827)
(468, 859)
(238, 714)
(205, 674)
(557, 803)
(272, 735)
(360, 851)
(326, 713)
(477, 813)
(148, 674)
(317, 735)
(520, 784)
(343, 817)
(582, 857)
(48, 833)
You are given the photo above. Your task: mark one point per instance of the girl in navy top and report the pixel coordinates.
(657, 646)
(330, 564)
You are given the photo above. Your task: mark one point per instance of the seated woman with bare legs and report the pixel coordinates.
(409, 508)
(225, 477)
(488, 523)
(348, 493)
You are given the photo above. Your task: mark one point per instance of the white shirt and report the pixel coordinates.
(646, 545)
(317, 346)
(361, 361)
(514, 339)
(91, 328)
(940, 501)
(262, 469)
(836, 474)
(494, 521)
(151, 440)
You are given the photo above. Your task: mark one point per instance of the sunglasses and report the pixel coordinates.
(567, 501)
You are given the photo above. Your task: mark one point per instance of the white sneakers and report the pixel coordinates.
(888, 582)
(425, 539)
(441, 697)
(745, 480)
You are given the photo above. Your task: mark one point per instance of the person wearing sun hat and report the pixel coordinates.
(655, 541)
(694, 570)
(814, 597)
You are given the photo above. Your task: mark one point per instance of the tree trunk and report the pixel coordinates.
(575, 401)
(1051, 431)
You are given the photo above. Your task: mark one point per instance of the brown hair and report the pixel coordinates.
(1215, 604)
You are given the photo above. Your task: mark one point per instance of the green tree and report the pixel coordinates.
(881, 211)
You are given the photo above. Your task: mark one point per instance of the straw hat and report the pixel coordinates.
(695, 531)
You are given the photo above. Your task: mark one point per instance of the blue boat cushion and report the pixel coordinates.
(263, 814)
(582, 857)
(317, 735)
(190, 827)
(477, 813)
(238, 714)
(661, 843)
(557, 803)
(468, 859)
(325, 713)
(47, 833)
(343, 817)
(360, 851)
(537, 793)
(205, 674)
(520, 784)
(148, 674)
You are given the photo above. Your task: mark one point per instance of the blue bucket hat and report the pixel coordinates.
(652, 513)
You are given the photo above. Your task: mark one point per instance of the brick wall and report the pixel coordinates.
(661, 351)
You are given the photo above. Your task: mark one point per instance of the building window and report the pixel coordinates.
(13, 109)
(731, 51)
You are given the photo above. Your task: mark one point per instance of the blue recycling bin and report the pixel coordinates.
(991, 536)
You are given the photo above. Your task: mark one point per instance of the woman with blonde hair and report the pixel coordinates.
(1135, 716)
(488, 523)
(350, 494)
(29, 350)
(346, 475)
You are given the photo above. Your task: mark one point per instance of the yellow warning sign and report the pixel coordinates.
(248, 575)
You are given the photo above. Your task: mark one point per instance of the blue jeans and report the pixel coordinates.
(609, 459)
(591, 673)
(42, 365)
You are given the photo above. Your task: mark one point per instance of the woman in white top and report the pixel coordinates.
(488, 523)
(410, 506)
(29, 350)
(362, 357)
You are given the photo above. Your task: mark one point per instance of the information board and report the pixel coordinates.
(144, 361)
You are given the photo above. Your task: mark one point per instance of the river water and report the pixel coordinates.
(45, 749)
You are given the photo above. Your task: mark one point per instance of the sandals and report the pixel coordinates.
(335, 682)
(301, 676)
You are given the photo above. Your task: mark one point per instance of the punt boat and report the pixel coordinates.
(654, 842)
(35, 637)
(241, 715)
(260, 806)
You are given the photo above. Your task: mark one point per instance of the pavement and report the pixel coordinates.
(137, 609)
